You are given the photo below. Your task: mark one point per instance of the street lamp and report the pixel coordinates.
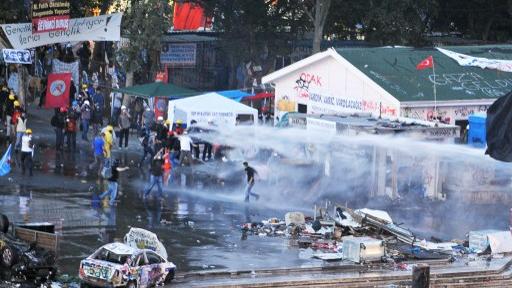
(96, 11)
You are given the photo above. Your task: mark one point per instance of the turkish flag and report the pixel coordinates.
(427, 63)
(57, 91)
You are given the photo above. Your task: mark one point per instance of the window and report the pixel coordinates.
(153, 258)
(109, 256)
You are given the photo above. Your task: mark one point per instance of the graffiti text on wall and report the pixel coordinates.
(472, 82)
(304, 82)
(353, 104)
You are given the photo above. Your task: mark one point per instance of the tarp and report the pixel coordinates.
(157, 89)
(143, 239)
(484, 63)
(236, 95)
(260, 96)
(210, 106)
(499, 129)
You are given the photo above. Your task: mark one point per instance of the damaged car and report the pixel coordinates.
(23, 260)
(141, 261)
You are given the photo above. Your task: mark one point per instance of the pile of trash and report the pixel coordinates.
(367, 235)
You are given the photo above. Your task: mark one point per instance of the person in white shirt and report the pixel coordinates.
(185, 145)
(21, 127)
(27, 152)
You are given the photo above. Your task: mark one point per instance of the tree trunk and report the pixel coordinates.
(129, 83)
(487, 29)
(22, 84)
(321, 12)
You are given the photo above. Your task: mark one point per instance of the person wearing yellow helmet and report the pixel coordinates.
(15, 117)
(27, 152)
(179, 127)
(9, 111)
(21, 128)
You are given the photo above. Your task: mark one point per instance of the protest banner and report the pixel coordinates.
(101, 28)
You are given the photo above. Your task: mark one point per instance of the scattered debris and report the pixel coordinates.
(368, 235)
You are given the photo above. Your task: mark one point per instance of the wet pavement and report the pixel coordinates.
(199, 218)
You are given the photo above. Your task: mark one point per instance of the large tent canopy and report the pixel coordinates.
(157, 89)
(209, 106)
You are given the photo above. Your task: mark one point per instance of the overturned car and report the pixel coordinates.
(23, 259)
(141, 261)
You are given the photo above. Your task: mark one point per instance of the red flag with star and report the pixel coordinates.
(427, 63)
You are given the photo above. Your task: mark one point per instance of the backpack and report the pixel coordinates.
(71, 125)
(15, 117)
(106, 172)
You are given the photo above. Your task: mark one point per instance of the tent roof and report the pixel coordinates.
(394, 69)
(212, 102)
(157, 89)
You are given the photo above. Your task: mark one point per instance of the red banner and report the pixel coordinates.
(190, 16)
(50, 15)
(57, 93)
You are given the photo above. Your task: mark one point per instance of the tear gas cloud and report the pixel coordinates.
(300, 168)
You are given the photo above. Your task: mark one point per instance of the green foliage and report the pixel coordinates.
(13, 11)
(476, 19)
(144, 24)
(397, 22)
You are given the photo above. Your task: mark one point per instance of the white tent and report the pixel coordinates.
(210, 106)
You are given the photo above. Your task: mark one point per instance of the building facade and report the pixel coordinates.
(384, 81)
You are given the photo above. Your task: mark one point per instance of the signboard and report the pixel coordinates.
(17, 56)
(57, 92)
(176, 54)
(50, 15)
(318, 125)
(101, 28)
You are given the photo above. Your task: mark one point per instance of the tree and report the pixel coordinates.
(144, 24)
(397, 22)
(476, 19)
(252, 31)
(317, 13)
(13, 11)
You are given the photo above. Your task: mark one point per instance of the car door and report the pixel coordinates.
(143, 269)
(156, 271)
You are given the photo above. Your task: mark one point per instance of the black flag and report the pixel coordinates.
(499, 129)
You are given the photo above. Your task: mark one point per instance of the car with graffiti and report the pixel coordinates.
(141, 261)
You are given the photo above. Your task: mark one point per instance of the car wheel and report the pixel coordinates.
(4, 223)
(8, 257)
(83, 285)
(131, 284)
(169, 277)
